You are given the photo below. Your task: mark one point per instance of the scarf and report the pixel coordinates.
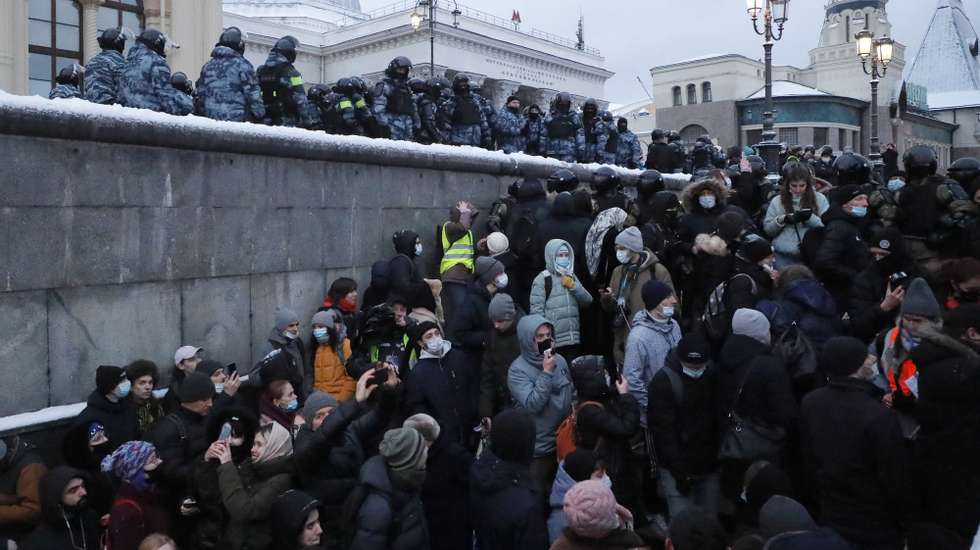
(278, 443)
(607, 219)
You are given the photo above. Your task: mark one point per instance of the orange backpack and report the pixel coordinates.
(566, 435)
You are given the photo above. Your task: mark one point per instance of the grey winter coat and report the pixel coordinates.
(144, 83)
(647, 347)
(561, 305)
(547, 396)
(228, 88)
(557, 521)
(102, 76)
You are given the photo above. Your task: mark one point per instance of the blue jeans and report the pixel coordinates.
(705, 493)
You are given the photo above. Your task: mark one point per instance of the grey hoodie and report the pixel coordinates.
(647, 347)
(561, 305)
(547, 396)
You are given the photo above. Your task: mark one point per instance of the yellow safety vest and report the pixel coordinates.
(459, 252)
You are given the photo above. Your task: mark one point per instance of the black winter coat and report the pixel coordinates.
(445, 494)
(841, 255)
(948, 448)
(438, 387)
(808, 304)
(329, 459)
(867, 291)
(685, 433)
(119, 419)
(59, 528)
(767, 395)
(469, 323)
(502, 349)
(661, 157)
(609, 429)
(742, 293)
(389, 518)
(854, 452)
(505, 509)
(180, 439)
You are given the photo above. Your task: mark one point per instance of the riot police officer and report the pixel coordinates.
(282, 87)
(429, 105)
(68, 80)
(102, 71)
(467, 123)
(588, 136)
(562, 127)
(394, 105)
(144, 82)
(228, 88)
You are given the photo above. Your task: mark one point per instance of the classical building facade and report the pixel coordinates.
(825, 103)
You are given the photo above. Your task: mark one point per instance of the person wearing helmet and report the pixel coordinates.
(394, 105)
(562, 126)
(429, 105)
(282, 87)
(228, 88)
(851, 169)
(659, 154)
(607, 191)
(628, 151)
(823, 165)
(680, 163)
(510, 127)
(144, 82)
(535, 131)
(182, 84)
(340, 107)
(102, 71)
(364, 108)
(591, 135)
(486, 108)
(68, 82)
(608, 138)
(320, 98)
(463, 113)
(965, 171)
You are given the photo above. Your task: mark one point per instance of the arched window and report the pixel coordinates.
(120, 13)
(693, 132)
(54, 41)
(705, 92)
(676, 91)
(692, 94)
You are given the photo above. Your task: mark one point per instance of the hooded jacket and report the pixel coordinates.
(403, 276)
(547, 396)
(119, 418)
(289, 513)
(301, 373)
(564, 224)
(698, 220)
(649, 267)
(647, 347)
(389, 518)
(556, 501)
(506, 510)
(562, 305)
(61, 528)
(377, 292)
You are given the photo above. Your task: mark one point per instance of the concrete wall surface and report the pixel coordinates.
(125, 234)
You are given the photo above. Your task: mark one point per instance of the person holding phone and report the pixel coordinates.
(540, 383)
(796, 210)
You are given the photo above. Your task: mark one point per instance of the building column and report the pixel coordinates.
(195, 26)
(90, 39)
(13, 46)
(500, 90)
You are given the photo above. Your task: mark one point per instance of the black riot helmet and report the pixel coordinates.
(851, 168)
(71, 74)
(317, 92)
(399, 67)
(604, 180)
(286, 46)
(112, 39)
(155, 40)
(606, 116)
(417, 85)
(563, 103)
(590, 108)
(562, 180)
(180, 81)
(232, 38)
(436, 85)
(534, 111)
(658, 134)
(359, 85)
(673, 136)
(920, 161)
(964, 171)
(461, 84)
(650, 183)
(344, 86)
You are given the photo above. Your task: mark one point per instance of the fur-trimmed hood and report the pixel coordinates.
(691, 192)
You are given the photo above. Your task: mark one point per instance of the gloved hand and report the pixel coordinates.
(801, 216)
(568, 282)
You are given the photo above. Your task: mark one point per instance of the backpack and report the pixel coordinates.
(810, 245)
(717, 319)
(796, 352)
(524, 234)
(566, 436)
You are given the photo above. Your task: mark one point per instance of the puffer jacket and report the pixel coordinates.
(647, 348)
(786, 238)
(389, 518)
(808, 304)
(561, 306)
(556, 516)
(329, 374)
(547, 396)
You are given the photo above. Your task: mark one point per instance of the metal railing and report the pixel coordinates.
(472, 13)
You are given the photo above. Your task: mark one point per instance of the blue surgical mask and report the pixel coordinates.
(668, 311)
(895, 185)
(321, 335)
(707, 201)
(418, 249)
(859, 211)
(292, 405)
(122, 390)
(694, 373)
(563, 263)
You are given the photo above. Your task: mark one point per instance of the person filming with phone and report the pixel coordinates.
(794, 211)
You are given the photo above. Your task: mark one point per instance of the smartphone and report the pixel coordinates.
(544, 346)
(805, 213)
(225, 432)
(232, 369)
(380, 375)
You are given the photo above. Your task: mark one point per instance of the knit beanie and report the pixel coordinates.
(502, 308)
(630, 239)
(195, 387)
(579, 464)
(919, 300)
(208, 367)
(325, 318)
(404, 449)
(590, 508)
(751, 323)
(316, 401)
(730, 226)
(694, 349)
(842, 356)
(654, 292)
(418, 330)
(128, 460)
(425, 425)
(285, 317)
(487, 269)
(107, 377)
(781, 514)
(756, 250)
(887, 239)
(844, 194)
(497, 243)
(512, 436)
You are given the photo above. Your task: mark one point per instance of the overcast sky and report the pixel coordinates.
(635, 35)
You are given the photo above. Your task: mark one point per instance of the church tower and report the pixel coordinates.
(845, 18)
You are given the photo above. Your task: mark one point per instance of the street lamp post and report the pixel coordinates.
(875, 55)
(416, 20)
(773, 14)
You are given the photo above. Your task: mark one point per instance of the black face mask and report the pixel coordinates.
(514, 110)
(533, 114)
(622, 127)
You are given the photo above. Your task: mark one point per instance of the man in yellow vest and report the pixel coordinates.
(457, 263)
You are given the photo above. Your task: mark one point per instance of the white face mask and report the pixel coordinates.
(667, 311)
(122, 390)
(418, 249)
(501, 281)
(623, 256)
(289, 335)
(707, 201)
(218, 388)
(434, 345)
(694, 373)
